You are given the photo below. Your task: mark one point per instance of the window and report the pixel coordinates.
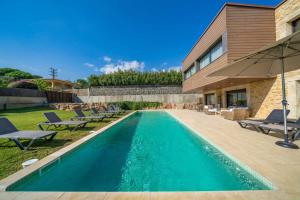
(188, 73)
(204, 61)
(216, 51)
(193, 70)
(236, 98)
(296, 25)
(213, 53)
(209, 99)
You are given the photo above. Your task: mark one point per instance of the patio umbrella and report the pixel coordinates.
(277, 58)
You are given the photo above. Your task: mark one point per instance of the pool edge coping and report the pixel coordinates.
(248, 169)
(17, 176)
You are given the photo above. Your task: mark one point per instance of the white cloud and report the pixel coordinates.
(164, 64)
(89, 65)
(175, 68)
(107, 59)
(122, 65)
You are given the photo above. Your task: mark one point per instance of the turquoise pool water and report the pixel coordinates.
(148, 151)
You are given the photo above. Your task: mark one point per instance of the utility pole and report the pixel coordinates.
(53, 73)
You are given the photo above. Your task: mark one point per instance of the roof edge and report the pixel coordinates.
(282, 2)
(219, 12)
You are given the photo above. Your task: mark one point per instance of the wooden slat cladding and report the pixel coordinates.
(248, 29)
(200, 79)
(213, 33)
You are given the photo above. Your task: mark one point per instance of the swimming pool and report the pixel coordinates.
(148, 151)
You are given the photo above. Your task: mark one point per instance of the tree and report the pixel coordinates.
(16, 74)
(42, 85)
(8, 75)
(19, 75)
(81, 84)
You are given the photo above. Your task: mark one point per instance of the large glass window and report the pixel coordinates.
(188, 73)
(193, 69)
(212, 54)
(204, 61)
(237, 98)
(209, 99)
(216, 51)
(296, 25)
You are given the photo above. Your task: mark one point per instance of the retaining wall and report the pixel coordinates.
(19, 98)
(162, 98)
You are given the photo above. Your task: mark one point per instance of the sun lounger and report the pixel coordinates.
(9, 131)
(294, 128)
(117, 109)
(54, 120)
(275, 117)
(81, 116)
(95, 112)
(112, 109)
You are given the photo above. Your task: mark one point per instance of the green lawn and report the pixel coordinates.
(11, 157)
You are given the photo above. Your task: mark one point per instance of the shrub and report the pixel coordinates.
(132, 105)
(125, 78)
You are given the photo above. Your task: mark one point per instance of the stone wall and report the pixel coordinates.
(129, 90)
(102, 106)
(284, 15)
(162, 98)
(264, 97)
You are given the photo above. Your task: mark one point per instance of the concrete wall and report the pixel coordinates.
(10, 102)
(163, 98)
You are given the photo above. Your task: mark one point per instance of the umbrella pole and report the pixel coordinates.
(286, 143)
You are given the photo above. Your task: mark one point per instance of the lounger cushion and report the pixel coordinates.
(27, 134)
(69, 123)
(274, 127)
(252, 122)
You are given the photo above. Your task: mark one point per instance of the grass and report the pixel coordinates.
(11, 157)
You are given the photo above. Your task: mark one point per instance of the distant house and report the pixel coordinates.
(55, 84)
(59, 85)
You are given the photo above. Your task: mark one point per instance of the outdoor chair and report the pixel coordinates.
(81, 116)
(275, 117)
(293, 128)
(9, 131)
(210, 110)
(54, 120)
(235, 113)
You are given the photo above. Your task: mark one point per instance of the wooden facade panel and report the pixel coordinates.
(248, 29)
(210, 36)
(200, 79)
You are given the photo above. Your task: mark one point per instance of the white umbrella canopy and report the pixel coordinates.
(277, 58)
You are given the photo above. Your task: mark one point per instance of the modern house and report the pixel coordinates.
(237, 30)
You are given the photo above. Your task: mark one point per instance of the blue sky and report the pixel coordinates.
(84, 37)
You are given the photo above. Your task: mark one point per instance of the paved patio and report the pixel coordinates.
(278, 165)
